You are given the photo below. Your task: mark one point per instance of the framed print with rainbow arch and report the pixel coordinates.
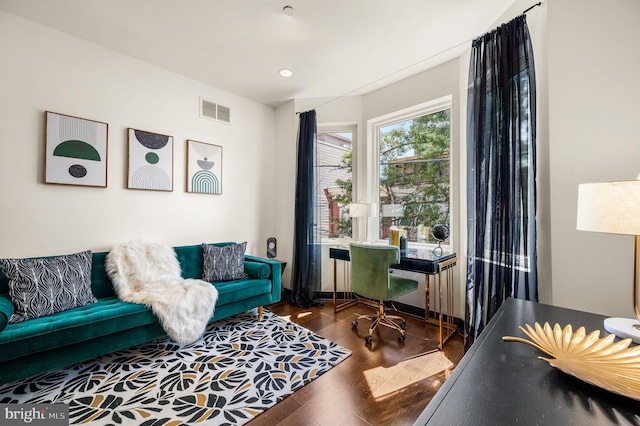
(150, 161)
(204, 168)
(75, 150)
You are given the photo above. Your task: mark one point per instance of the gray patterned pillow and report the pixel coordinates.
(47, 285)
(223, 263)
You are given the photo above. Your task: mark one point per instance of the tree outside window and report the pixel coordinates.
(414, 175)
(414, 161)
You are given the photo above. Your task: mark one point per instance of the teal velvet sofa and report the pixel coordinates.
(66, 338)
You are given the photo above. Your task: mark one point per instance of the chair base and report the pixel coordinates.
(381, 318)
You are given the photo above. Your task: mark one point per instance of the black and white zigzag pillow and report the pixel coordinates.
(223, 263)
(45, 286)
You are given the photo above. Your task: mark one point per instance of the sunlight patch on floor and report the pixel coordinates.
(296, 316)
(384, 381)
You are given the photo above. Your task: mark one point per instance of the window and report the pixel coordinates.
(334, 189)
(414, 171)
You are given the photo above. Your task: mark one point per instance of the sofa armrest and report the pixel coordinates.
(257, 269)
(6, 310)
(275, 275)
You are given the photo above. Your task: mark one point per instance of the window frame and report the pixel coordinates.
(341, 128)
(373, 160)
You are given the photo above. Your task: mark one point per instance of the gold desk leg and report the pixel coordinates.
(440, 308)
(350, 301)
(335, 284)
(444, 269)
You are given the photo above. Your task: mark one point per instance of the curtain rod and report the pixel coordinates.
(535, 5)
(409, 66)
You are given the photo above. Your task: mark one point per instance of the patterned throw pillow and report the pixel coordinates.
(45, 286)
(223, 263)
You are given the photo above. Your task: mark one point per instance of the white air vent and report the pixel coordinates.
(224, 114)
(215, 111)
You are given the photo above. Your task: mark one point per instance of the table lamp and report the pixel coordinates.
(365, 210)
(392, 210)
(614, 207)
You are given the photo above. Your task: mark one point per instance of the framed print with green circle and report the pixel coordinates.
(150, 161)
(204, 168)
(75, 150)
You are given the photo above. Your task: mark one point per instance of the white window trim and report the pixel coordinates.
(373, 152)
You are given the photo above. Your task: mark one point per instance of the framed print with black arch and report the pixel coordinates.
(75, 150)
(150, 161)
(204, 168)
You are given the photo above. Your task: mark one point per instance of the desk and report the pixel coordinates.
(440, 269)
(504, 383)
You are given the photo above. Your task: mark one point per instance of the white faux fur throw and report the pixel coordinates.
(149, 274)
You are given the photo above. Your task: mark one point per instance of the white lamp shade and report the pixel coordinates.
(392, 210)
(612, 207)
(363, 210)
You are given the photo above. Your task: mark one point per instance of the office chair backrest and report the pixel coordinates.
(370, 269)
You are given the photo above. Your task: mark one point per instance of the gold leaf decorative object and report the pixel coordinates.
(602, 362)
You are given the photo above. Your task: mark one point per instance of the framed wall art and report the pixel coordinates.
(75, 150)
(204, 168)
(150, 161)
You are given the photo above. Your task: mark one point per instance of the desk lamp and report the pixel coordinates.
(392, 210)
(365, 210)
(614, 207)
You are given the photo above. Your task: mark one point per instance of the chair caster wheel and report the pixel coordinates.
(403, 325)
(400, 338)
(368, 340)
(354, 324)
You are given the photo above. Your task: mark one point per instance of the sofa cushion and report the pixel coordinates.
(48, 285)
(190, 258)
(223, 263)
(101, 285)
(106, 316)
(233, 291)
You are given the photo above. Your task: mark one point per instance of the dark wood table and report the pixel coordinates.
(504, 383)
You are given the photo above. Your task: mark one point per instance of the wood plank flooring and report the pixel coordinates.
(379, 384)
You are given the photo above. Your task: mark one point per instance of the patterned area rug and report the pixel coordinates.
(237, 370)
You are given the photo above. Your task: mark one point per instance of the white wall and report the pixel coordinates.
(593, 114)
(285, 177)
(44, 69)
(537, 23)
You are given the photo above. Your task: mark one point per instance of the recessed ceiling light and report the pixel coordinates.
(287, 10)
(284, 72)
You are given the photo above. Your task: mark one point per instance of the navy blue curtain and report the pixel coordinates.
(501, 174)
(305, 275)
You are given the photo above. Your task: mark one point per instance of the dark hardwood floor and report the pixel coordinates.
(385, 383)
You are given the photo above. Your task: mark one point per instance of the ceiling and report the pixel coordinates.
(334, 47)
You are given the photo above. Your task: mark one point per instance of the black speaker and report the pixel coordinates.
(272, 251)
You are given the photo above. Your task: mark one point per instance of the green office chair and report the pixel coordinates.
(370, 278)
